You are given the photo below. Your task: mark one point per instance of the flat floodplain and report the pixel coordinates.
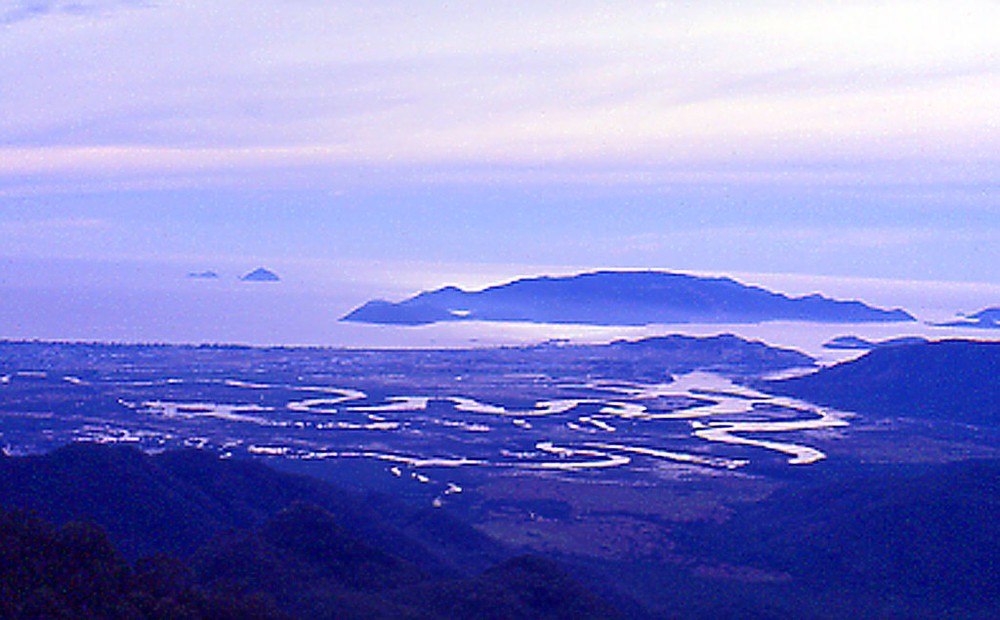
(454, 427)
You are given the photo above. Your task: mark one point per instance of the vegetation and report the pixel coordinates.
(948, 380)
(250, 559)
(74, 572)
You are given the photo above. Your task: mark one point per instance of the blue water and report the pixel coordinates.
(150, 301)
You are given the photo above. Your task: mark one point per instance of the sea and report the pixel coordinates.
(172, 301)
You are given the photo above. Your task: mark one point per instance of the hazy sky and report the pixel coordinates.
(841, 138)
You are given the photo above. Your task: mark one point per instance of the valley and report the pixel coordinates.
(615, 459)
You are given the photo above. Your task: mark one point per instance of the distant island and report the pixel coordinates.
(854, 343)
(203, 275)
(261, 275)
(988, 318)
(619, 298)
(723, 353)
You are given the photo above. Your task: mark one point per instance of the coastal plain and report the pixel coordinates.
(603, 455)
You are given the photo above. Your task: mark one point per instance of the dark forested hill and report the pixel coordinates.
(315, 569)
(956, 380)
(882, 542)
(619, 298)
(74, 572)
(914, 541)
(253, 543)
(174, 502)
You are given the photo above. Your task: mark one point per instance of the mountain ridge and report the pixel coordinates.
(619, 298)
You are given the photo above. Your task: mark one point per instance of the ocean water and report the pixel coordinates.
(156, 301)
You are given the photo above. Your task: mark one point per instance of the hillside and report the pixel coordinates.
(176, 501)
(881, 542)
(868, 541)
(315, 569)
(955, 380)
(252, 543)
(619, 298)
(75, 572)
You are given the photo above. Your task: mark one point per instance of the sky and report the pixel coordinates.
(853, 139)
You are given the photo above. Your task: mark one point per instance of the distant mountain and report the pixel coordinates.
(991, 315)
(261, 275)
(619, 298)
(860, 344)
(988, 318)
(957, 380)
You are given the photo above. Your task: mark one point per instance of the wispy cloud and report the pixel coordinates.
(14, 11)
(595, 84)
(821, 246)
(818, 239)
(30, 228)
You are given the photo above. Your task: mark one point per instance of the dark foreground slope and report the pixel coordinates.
(619, 298)
(313, 568)
(879, 542)
(74, 572)
(300, 564)
(956, 380)
(304, 561)
(872, 541)
(175, 502)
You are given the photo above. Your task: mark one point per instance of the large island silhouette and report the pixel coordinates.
(619, 298)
